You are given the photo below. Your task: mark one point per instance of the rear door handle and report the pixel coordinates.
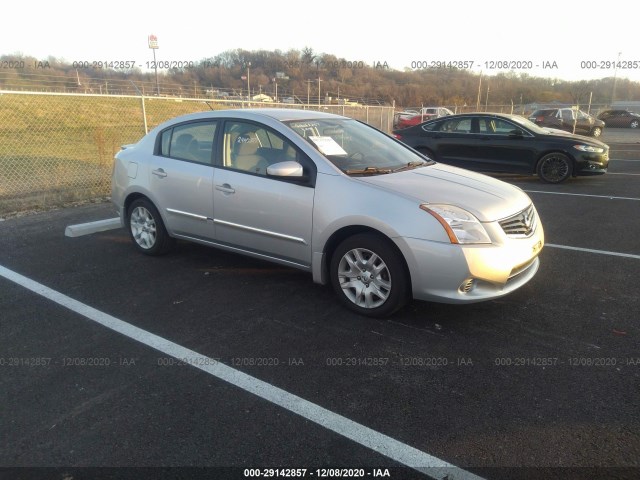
(225, 188)
(159, 173)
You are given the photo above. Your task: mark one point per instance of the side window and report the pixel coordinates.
(432, 127)
(251, 148)
(456, 126)
(567, 115)
(504, 128)
(192, 142)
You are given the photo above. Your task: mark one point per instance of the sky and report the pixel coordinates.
(572, 39)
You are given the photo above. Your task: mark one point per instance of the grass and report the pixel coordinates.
(55, 149)
(59, 148)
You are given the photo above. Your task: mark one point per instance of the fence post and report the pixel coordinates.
(144, 115)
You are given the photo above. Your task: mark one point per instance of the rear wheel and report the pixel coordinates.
(554, 167)
(147, 229)
(634, 124)
(369, 276)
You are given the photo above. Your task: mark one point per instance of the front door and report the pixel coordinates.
(254, 212)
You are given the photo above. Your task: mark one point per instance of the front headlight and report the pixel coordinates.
(460, 225)
(588, 148)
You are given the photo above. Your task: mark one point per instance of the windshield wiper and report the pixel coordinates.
(371, 170)
(409, 165)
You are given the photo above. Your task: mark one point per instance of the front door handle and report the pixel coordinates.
(159, 173)
(225, 188)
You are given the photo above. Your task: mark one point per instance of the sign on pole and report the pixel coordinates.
(153, 41)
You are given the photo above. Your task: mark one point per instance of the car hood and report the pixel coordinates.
(485, 197)
(554, 132)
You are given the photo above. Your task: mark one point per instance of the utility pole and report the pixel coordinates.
(486, 100)
(615, 79)
(479, 86)
(248, 81)
(319, 80)
(309, 90)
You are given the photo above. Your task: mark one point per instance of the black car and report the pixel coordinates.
(620, 118)
(569, 120)
(494, 142)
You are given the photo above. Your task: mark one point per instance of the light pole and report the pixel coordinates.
(615, 79)
(319, 80)
(248, 81)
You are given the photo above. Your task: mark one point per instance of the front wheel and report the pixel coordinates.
(369, 276)
(596, 132)
(554, 168)
(147, 229)
(634, 124)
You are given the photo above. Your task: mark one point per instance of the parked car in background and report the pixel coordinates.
(331, 196)
(414, 116)
(620, 118)
(568, 119)
(494, 142)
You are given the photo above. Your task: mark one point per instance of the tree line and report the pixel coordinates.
(306, 74)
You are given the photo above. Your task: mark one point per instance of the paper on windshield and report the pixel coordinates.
(327, 145)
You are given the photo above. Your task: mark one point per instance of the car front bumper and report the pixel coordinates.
(450, 273)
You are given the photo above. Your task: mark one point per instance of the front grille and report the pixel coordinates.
(520, 225)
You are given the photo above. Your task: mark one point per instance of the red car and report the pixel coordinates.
(415, 116)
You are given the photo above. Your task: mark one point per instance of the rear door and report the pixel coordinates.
(181, 178)
(453, 142)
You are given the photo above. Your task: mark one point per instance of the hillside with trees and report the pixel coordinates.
(297, 73)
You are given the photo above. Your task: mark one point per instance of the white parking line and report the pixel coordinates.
(376, 441)
(589, 250)
(583, 195)
(612, 173)
(92, 227)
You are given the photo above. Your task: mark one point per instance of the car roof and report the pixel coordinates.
(506, 116)
(280, 114)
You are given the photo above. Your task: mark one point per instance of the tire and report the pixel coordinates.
(634, 124)
(369, 275)
(146, 228)
(596, 132)
(554, 167)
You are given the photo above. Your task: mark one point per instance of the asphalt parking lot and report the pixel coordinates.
(203, 358)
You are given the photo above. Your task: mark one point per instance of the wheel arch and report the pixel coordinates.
(132, 197)
(345, 232)
(137, 194)
(542, 154)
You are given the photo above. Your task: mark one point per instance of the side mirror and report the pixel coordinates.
(516, 133)
(285, 169)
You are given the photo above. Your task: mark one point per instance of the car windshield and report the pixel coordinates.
(525, 122)
(356, 148)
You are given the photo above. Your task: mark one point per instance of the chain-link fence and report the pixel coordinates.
(59, 148)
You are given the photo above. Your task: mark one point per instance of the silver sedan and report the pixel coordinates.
(332, 196)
